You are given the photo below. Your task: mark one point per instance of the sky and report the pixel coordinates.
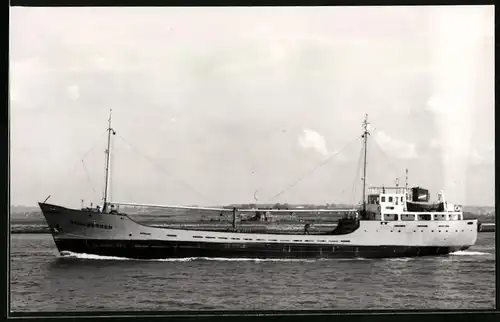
(221, 105)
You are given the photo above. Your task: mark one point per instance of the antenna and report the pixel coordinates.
(365, 137)
(108, 155)
(406, 180)
(397, 182)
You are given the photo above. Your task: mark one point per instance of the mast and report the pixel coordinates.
(108, 155)
(234, 219)
(365, 137)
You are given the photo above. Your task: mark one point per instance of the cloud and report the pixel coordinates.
(476, 158)
(21, 75)
(475, 154)
(73, 92)
(486, 156)
(435, 143)
(313, 140)
(396, 147)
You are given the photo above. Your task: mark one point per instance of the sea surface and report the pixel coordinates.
(44, 280)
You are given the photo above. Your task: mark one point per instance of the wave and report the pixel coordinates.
(468, 253)
(68, 254)
(401, 259)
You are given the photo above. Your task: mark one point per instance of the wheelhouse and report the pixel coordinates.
(392, 203)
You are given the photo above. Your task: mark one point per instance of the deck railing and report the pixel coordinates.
(450, 216)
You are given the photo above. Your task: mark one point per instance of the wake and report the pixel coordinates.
(68, 254)
(83, 256)
(468, 253)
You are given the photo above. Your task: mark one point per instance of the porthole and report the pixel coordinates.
(399, 231)
(130, 234)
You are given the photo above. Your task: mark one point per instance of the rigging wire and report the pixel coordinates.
(75, 165)
(394, 167)
(357, 176)
(164, 170)
(88, 151)
(313, 170)
(95, 144)
(88, 177)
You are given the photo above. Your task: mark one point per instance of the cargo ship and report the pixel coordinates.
(390, 222)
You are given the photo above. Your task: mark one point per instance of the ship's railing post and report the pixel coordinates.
(234, 218)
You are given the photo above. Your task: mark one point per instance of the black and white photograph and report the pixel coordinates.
(167, 159)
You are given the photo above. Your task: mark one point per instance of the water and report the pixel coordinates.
(43, 280)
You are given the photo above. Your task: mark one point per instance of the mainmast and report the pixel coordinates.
(365, 137)
(108, 155)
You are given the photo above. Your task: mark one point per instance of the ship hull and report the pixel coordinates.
(158, 249)
(118, 235)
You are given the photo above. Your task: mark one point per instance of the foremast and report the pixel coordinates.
(365, 140)
(108, 157)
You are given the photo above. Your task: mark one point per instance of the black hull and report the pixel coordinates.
(156, 249)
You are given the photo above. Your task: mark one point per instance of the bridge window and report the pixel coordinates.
(374, 200)
(383, 199)
(424, 217)
(390, 199)
(407, 217)
(390, 217)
